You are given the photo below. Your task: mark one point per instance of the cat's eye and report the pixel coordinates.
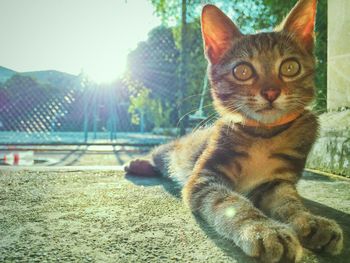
(290, 68)
(243, 71)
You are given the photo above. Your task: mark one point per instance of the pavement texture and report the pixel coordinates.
(75, 155)
(105, 216)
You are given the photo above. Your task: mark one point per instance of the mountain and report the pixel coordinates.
(6, 73)
(52, 77)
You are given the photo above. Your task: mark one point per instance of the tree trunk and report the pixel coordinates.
(183, 69)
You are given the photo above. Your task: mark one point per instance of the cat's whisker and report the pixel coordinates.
(190, 112)
(204, 122)
(190, 97)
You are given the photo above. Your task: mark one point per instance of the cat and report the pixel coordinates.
(240, 174)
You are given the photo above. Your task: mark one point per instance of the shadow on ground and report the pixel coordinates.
(342, 218)
(166, 183)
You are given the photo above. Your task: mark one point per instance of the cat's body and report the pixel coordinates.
(240, 174)
(247, 156)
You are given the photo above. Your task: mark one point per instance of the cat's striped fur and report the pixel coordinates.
(241, 178)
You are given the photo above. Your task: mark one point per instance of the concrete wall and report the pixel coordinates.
(331, 153)
(338, 54)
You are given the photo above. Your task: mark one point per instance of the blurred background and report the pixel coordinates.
(131, 73)
(70, 67)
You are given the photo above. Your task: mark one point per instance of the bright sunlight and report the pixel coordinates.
(73, 36)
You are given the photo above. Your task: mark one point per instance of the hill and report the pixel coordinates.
(6, 73)
(52, 77)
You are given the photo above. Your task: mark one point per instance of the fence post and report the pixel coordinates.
(86, 118)
(95, 115)
(183, 68)
(142, 122)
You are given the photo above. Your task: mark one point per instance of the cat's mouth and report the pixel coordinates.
(268, 109)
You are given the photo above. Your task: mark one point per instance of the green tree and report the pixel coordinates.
(149, 111)
(24, 96)
(154, 62)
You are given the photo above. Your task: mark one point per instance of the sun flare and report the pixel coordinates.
(106, 72)
(93, 37)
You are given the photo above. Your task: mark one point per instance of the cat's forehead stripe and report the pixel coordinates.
(252, 45)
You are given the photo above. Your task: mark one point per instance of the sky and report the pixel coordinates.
(93, 36)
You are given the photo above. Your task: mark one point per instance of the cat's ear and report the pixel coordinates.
(301, 22)
(219, 32)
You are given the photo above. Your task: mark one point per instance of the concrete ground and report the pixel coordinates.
(77, 155)
(103, 216)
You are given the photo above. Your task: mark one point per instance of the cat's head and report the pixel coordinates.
(265, 76)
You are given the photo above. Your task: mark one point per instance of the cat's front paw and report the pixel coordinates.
(318, 233)
(140, 167)
(270, 242)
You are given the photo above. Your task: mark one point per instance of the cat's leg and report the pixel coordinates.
(234, 217)
(281, 201)
(153, 164)
(173, 159)
(142, 167)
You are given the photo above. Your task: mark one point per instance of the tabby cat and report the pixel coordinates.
(240, 174)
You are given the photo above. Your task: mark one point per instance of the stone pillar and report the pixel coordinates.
(338, 89)
(331, 152)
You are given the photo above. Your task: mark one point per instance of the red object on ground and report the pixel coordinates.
(16, 159)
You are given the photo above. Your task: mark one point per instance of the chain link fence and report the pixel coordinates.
(163, 88)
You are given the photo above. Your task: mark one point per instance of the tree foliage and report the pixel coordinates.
(152, 110)
(153, 64)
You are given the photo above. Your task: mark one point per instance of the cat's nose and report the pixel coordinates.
(270, 94)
